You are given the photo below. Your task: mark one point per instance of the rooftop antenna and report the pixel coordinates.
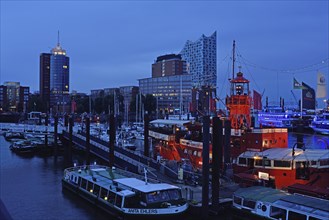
(233, 59)
(58, 38)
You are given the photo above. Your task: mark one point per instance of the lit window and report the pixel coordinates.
(65, 67)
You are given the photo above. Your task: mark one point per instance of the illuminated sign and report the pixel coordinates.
(263, 176)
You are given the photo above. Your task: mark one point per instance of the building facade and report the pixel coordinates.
(3, 98)
(169, 65)
(201, 58)
(44, 82)
(173, 93)
(59, 80)
(14, 97)
(96, 93)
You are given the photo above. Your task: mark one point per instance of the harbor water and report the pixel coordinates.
(31, 186)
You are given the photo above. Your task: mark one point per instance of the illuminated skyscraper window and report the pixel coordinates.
(59, 79)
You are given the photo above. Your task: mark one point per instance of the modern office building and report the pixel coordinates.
(14, 97)
(96, 93)
(24, 95)
(201, 58)
(44, 79)
(169, 65)
(59, 80)
(173, 93)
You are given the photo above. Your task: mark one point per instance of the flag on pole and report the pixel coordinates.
(321, 86)
(308, 96)
(257, 98)
(298, 85)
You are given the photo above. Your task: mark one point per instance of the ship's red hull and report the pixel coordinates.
(281, 179)
(256, 139)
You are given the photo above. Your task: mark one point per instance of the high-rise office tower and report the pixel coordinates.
(59, 80)
(44, 84)
(201, 58)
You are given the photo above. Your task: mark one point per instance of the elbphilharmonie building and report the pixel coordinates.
(201, 58)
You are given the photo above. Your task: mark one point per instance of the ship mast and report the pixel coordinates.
(239, 101)
(233, 59)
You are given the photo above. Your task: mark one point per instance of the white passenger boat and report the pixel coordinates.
(267, 203)
(320, 124)
(122, 195)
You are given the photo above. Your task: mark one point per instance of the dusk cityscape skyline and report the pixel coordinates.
(114, 44)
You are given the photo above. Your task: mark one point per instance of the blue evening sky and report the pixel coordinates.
(114, 43)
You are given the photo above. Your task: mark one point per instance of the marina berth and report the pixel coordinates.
(122, 193)
(267, 203)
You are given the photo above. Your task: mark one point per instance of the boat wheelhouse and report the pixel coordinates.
(281, 167)
(122, 194)
(268, 203)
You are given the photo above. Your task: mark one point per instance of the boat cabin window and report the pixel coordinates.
(96, 189)
(313, 163)
(111, 197)
(302, 170)
(263, 162)
(90, 186)
(249, 203)
(313, 218)
(103, 193)
(242, 160)
(84, 184)
(282, 163)
(174, 194)
(132, 202)
(278, 213)
(157, 196)
(324, 163)
(118, 201)
(237, 200)
(296, 216)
